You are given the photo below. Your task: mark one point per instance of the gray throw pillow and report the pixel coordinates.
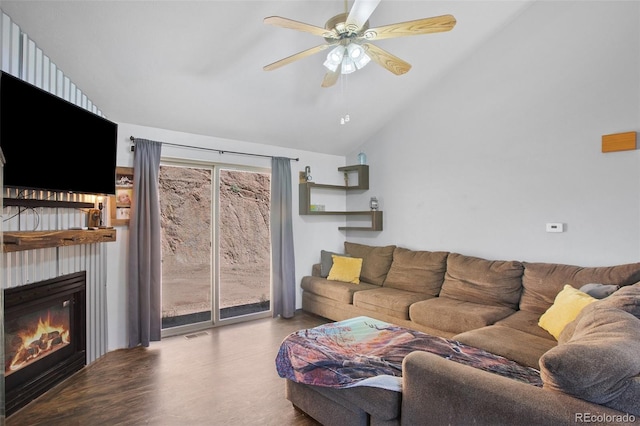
(326, 262)
(599, 291)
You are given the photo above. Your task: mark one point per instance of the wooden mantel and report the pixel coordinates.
(31, 240)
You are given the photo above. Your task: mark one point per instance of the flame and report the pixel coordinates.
(47, 337)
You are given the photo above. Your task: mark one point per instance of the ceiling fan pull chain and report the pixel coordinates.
(345, 99)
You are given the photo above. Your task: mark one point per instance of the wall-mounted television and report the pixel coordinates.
(51, 144)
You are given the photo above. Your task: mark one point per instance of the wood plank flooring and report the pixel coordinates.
(224, 377)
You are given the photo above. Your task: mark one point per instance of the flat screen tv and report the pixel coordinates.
(51, 144)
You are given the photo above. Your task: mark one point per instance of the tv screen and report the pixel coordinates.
(51, 144)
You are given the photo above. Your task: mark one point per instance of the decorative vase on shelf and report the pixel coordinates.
(362, 158)
(373, 203)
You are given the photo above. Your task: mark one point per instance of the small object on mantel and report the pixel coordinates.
(619, 142)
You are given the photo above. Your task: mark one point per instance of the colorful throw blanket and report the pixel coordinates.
(363, 351)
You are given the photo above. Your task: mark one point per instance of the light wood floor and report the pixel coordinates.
(226, 377)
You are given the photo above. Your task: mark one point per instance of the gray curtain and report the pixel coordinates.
(282, 256)
(145, 255)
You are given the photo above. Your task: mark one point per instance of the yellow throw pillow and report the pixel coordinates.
(345, 269)
(566, 307)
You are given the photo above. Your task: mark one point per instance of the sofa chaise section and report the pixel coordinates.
(440, 392)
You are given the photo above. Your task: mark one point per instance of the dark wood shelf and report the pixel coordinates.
(361, 213)
(323, 186)
(363, 175)
(31, 240)
(376, 221)
(304, 206)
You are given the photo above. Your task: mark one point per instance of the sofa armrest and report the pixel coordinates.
(440, 391)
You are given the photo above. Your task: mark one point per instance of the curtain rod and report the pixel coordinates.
(219, 151)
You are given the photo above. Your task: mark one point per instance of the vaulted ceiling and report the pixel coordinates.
(196, 66)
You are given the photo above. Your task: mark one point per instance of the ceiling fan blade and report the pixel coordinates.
(436, 24)
(360, 13)
(387, 60)
(295, 57)
(279, 21)
(330, 78)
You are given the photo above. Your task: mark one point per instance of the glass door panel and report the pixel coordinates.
(186, 209)
(244, 241)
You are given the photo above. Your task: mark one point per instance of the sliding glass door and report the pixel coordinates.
(216, 257)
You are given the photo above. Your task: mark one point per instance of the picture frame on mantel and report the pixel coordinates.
(120, 204)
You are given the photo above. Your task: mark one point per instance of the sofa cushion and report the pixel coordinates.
(388, 301)
(381, 404)
(566, 307)
(543, 281)
(455, 316)
(526, 322)
(334, 290)
(486, 282)
(417, 271)
(600, 362)
(345, 269)
(516, 345)
(326, 262)
(376, 261)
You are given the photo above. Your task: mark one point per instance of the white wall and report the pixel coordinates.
(311, 233)
(511, 139)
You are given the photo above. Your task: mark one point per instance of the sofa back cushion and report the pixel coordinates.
(326, 262)
(417, 271)
(488, 282)
(543, 281)
(376, 261)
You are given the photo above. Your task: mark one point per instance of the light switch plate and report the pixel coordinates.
(555, 227)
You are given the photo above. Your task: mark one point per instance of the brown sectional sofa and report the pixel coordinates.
(491, 304)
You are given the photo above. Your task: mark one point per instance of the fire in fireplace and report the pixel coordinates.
(45, 337)
(36, 335)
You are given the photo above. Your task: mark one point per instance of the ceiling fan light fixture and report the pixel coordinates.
(348, 65)
(355, 51)
(358, 55)
(334, 58)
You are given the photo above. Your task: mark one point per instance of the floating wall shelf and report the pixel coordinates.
(31, 240)
(362, 171)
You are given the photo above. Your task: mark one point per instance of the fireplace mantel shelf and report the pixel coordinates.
(31, 240)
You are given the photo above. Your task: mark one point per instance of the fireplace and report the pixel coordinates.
(45, 336)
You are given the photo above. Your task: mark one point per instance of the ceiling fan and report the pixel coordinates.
(349, 36)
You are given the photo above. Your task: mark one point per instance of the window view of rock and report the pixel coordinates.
(188, 244)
